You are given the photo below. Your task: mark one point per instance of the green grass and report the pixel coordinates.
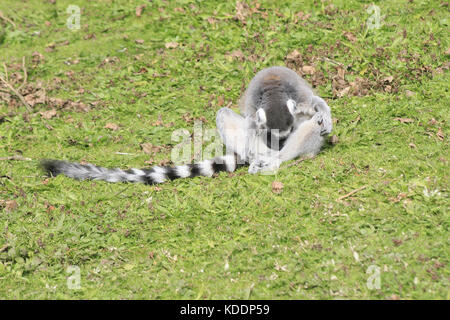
(229, 236)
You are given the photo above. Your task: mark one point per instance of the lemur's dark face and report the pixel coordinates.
(277, 118)
(276, 121)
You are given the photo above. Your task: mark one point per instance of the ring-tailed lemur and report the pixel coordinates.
(277, 102)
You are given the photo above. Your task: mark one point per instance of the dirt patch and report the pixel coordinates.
(317, 65)
(17, 90)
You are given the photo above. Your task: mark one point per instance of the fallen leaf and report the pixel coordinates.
(50, 208)
(164, 163)
(277, 187)
(308, 70)
(440, 134)
(158, 122)
(139, 41)
(89, 36)
(358, 118)
(187, 117)
(238, 55)
(350, 36)
(139, 10)
(404, 120)
(334, 139)
(220, 101)
(295, 57)
(409, 93)
(301, 16)
(36, 98)
(10, 205)
(37, 57)
(341, 72)
(147, 147)
(110, 60)
(343, 92)
(79, 106)
(399, 197)
(56, 102)
(432, 122)
(242, 11)
(48, 114)
(111, 126)
(171, 45)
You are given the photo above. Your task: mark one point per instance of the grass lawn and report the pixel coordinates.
(368, 218)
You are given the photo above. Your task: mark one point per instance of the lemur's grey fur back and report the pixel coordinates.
(275, 84)
(270, 91)
(152, 175)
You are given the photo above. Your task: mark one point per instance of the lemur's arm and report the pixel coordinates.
(240, 135)
(232, 130)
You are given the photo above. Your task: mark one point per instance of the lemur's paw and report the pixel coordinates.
(318, 117)
(327, 126)
(264, 165)
(324, 122)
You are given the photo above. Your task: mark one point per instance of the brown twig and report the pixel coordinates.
(15, 157)
(11, 88)
(18, 95)
(299, 160)
(350, 193)
(332, 61)
(4, 247)
(25, 74)
(6, 71)
(3, 17)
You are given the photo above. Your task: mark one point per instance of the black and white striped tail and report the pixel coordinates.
(153, 175)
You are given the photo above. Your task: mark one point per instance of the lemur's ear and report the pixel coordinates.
(292, 106)
(261, 117)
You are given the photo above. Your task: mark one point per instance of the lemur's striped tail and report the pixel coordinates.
(152, 175)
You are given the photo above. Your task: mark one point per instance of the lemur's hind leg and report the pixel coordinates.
(232, 130)
(306, 140)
